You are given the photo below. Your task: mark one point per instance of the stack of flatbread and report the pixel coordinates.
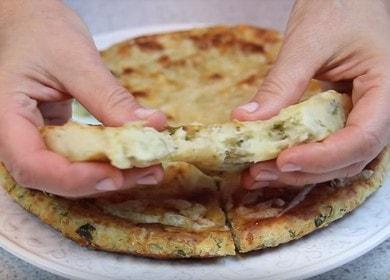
(196, 78)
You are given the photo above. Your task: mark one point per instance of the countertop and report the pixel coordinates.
(105, 16)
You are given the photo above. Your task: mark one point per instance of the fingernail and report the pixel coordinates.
(290, 167)
(258, 185)
(106, 185)
(250, 107)
(147, 180)
(266, 175)
(144, 113)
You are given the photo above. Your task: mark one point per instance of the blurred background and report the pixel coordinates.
(103, 16)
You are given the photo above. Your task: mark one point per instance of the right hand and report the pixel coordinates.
(345, 42)
(47, 57)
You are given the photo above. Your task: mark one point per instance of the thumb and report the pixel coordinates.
(283, 86)
(93, 85)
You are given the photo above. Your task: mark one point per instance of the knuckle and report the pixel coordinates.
(274, 87)
(115, 102)
(23, 103)
(117, 96)
(283, 88)
(358, 81)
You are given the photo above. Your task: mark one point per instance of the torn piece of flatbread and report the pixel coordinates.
(228, 146)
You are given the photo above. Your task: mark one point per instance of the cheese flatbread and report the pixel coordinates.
(225, 146)
(198, 76)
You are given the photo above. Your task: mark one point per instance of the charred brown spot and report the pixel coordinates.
(167, 62)
(127, 71)
(249, 238)
(200, 42)
(272, 37)
(215, 76)
(223, 39)
(148, 44)
(251, 47)
(260, 32)
(169, 116)
(218, 39)
(267, 36)
(249, 80)
(179, 62)
(139, 93)
(124, 49)
(164, 59)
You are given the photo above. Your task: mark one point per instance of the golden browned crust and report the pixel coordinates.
(323, 205)
(84, 222)
(188, 74)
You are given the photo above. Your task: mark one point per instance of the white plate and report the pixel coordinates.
(26, 237)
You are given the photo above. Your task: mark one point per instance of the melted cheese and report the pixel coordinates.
(171, 212)
(228, 146)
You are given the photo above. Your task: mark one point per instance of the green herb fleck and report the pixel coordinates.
(239, 142)
(181, 253)
(335, 108)
(277, 126)
(64, 214)
(319, 220)
(292, 233)
(330, 211)
(85, 231)
(190, 132)
(155, 247)
(278, 130)
(172, 130)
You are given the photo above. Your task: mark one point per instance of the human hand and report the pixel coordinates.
(333, 41)
(47, 57)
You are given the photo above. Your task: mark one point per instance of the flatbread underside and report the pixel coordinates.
(324, 204)
(87, 225)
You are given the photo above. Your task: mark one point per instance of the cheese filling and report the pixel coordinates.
(229, 146)
(171, 212)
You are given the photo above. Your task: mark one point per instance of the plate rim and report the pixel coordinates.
(302, 272)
